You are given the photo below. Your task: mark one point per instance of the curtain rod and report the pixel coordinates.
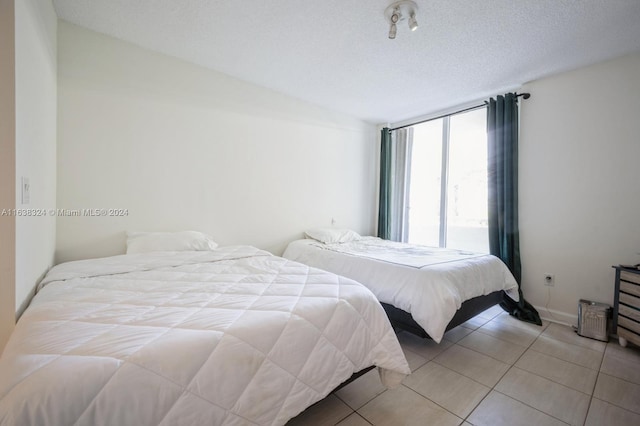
(524, 96)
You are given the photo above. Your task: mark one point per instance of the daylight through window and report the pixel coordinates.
(447, 191)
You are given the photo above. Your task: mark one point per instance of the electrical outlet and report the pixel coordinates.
(549, 280)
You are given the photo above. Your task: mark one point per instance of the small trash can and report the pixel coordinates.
(593, 320)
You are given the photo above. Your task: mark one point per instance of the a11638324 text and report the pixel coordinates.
(98, 212)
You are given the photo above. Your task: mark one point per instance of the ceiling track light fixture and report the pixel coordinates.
(395, 17)
(399, 11)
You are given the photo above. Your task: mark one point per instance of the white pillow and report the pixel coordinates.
(332, 235)
(143, 242)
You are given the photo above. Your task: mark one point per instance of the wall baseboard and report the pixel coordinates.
(557, 316)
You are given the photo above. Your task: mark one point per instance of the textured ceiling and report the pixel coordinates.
(335, 53)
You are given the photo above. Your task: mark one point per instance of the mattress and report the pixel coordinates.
(231, 336)
(429, 283)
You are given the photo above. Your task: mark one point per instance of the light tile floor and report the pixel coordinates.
(495, 370)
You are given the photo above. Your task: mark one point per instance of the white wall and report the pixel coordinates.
(580, 183)
(36, 105)
(182, 147)
(7, 170)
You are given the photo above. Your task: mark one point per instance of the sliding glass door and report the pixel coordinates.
(426, 184)
(448, 183)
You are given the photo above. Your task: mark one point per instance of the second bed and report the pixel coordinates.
(426, 290)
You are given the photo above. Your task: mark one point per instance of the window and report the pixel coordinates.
(447, 190)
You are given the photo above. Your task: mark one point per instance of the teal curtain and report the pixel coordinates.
(385, 204)
(504, 234)
(395, 176)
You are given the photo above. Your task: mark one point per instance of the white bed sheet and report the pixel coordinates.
(232, 336)
(429, 283)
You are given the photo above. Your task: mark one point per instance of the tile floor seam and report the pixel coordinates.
(477, 405)
(591, 407)
(493, 388)
(427, 360)
(345, 417)
(415, 353)
(564, 342)
(569, 362)
(511, 366)
(534, 408)
(575, 346)
(615, 405)
(553, 381)
(492, 357)
(561, 384)
(525, 351)
(619, 378)
(432, 401)
(362, 405)
(588, 408)
(463, 375)
(361, 416)
(526, 348)
(595, 383)
(471, 378)
(479, 330)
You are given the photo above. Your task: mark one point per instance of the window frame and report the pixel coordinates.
(444, 171)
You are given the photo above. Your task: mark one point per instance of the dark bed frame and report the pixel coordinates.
(402, 320)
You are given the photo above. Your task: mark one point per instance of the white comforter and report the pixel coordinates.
(429, 283)
(232, 336)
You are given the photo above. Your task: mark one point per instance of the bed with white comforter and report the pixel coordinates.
(429, 283)
(231, 336)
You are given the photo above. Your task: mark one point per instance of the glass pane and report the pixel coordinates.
(467, 217)
(424, 192)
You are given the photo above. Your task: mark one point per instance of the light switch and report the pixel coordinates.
(26, 190)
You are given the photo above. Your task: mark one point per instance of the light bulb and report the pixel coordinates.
(392, 31)
(413, 24)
